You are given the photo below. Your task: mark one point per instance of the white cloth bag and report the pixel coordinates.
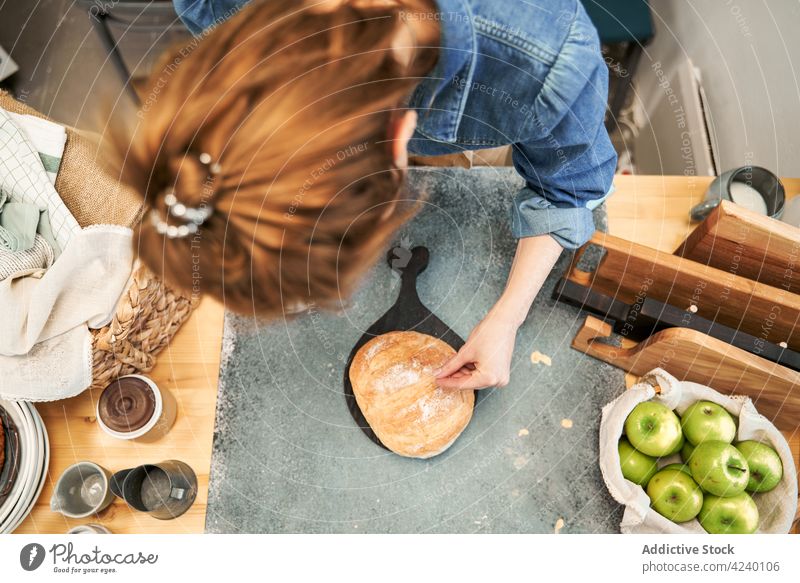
(776, 508)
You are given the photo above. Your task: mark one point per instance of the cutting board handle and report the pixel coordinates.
(409, 263)
(589, 339)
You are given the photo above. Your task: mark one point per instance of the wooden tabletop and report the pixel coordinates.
(651, 210)
(189, 368)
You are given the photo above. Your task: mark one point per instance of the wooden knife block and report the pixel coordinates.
(629, 271)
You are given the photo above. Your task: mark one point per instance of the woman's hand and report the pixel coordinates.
(485, 360)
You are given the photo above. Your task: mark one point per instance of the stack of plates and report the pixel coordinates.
(24, 470)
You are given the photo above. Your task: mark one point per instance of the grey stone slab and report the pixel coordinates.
(289, 458)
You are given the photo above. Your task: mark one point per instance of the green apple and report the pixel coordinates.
(719, 468)
(680, 445)
(636, 466)
(676, 466)
(675, 495)
(766, 468)
(653, 429)
(686, 452)
(733, 515)
(707, 421)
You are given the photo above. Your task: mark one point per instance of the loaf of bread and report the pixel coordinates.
(393, 382)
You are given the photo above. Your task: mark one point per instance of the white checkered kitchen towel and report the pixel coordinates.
(24, 179)
(47, 138)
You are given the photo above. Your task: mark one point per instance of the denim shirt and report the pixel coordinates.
(526, 73)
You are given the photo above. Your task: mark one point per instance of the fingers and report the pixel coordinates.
(463, 372)
(453, 365)
(464, 381)
(473, 378)
(460, 383)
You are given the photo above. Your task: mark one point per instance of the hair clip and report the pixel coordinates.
(213, 167)
(192, 217)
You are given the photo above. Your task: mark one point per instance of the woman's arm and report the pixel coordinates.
(568, 162)
(485, 360)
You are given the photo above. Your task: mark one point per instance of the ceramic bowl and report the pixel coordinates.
(30, 471)
(14, 412)
(33, 459)
(42, 459)
(8, 473)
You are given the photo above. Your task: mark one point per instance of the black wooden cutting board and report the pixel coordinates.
(407, 313)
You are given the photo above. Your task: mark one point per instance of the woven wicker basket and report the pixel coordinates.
(148, 316)
(149, 312)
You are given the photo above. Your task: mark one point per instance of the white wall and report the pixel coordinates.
(748, 52)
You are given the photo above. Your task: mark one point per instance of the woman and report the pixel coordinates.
(271, 149)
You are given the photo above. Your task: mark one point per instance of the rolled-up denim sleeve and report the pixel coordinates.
(568, 162)
(199, 15)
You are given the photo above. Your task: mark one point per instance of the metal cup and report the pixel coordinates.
(82, 490)
(765, 182)
(164, 490)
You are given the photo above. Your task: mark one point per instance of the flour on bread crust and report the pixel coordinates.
(393, 382)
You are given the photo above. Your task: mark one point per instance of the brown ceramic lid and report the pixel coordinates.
(127, 405)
